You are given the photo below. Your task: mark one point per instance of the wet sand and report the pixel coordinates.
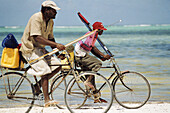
(155, 107)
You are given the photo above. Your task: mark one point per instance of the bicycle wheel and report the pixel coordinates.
(78, 95)
(134, 93)
(17, 91)
(57, 89)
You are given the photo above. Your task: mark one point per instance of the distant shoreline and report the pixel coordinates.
(82, 26)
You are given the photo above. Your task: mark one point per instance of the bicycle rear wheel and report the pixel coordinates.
(18, 92)
(80, 96)
(134, 92)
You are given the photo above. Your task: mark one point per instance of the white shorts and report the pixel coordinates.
(41, 67)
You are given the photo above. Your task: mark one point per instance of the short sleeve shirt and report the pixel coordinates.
(36, 26)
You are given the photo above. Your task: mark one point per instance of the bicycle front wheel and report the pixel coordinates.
(78, 95)
(132, 90)
(18, 92)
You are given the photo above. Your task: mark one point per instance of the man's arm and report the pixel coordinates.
(53, 44)
(99, 54)
(53, 40)
(59, 55)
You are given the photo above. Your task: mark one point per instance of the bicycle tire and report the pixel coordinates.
(138, 93)
(20, 97)
(57, 89)
(82, 98)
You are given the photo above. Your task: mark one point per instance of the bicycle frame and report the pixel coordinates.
(117, 72)
(71, 71)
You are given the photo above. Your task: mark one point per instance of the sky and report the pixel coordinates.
(131, 12)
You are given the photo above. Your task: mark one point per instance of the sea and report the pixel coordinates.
(141, 48)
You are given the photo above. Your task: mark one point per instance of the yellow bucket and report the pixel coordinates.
(71, 59)
(10, 58)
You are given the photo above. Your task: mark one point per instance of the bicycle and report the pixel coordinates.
(21, 92)
(131, 89)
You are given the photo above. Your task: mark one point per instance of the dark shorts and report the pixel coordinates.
(89, 63)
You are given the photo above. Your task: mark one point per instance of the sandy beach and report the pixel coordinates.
(147, 108)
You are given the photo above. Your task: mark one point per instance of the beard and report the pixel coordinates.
(53, 16)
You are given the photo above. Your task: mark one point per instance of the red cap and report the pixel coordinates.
(98, 25)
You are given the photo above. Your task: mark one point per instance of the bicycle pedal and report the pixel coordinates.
(100, 100)
(40, 97)
(97, 100)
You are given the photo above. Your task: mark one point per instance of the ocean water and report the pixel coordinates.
(141, 48)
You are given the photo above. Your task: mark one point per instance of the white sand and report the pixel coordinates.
(147, 108)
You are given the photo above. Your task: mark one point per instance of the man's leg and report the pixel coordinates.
(45, 84)
(93, 64)
(47, 76)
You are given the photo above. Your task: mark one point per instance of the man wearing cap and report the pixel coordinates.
(38, 34)
(86, 61)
